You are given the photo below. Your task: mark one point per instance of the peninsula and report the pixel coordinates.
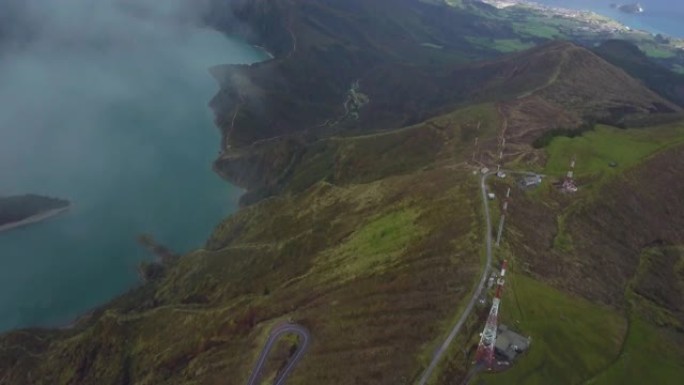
(22, 210)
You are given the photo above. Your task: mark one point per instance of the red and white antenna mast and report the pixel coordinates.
(485, 349)
(569, 182)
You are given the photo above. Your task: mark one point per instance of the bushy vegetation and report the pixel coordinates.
(549, 135)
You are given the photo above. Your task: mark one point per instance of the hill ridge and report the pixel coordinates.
(556, 85)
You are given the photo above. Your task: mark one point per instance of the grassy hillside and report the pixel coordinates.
(596, 150)
(572, 338)
(612, 199)
(629, 57)
(331, 45)
(375, 264)
(360, 145)
(652, 349)
(577, 342)
(545, 88)
(373, 244)
(647, 355)
(409, 60)
(614, 243)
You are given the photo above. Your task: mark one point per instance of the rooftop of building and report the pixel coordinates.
(510, 344)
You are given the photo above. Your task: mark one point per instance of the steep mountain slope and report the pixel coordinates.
(391, 50)
(617, 242)
(358, 143)
(356, 66)
(578, 87)
(323, 47)
(628, 56)
(609, 228)
(558, 85)
(373, 264)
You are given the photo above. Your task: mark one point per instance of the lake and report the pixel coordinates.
(106, 108)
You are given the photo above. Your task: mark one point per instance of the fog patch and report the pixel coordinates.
(76, 64)
(104, 103)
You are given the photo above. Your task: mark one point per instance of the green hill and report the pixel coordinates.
(660, 79)
(613, 243)
(360, 145)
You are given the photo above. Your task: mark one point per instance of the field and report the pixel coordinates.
(571, 337)
(537, 30)
(374, 247)
(595, 150)
(635, 341)
(657, 52)
(501, 45)
(647, 357)
(652, 350)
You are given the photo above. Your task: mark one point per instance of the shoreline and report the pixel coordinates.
(636, 21)
(34, 219)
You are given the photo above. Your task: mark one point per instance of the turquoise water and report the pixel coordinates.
(118, 123)
(660, 16)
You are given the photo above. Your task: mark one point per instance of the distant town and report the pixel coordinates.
(593, 21)
(585, 22)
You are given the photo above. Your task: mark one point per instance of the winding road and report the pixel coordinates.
(276, 333)
(305, 337)
(473, 299)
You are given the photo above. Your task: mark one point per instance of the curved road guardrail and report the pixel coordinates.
(276, 333)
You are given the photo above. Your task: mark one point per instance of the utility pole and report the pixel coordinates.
(503, 217)
(569, 184)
